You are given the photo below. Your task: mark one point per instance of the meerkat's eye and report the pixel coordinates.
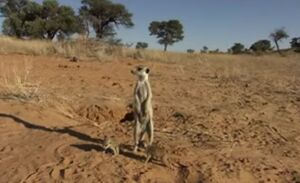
(139, 68)
(147, 70)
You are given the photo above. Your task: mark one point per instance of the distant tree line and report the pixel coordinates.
(47, 20)
(260, 46)
(263, 46)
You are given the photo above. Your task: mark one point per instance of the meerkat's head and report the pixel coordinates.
(141, 72)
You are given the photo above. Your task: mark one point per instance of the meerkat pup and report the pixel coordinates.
(112, 144)
(142, 107)
(157, 153)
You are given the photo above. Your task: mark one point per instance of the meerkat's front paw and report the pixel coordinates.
(135, 149)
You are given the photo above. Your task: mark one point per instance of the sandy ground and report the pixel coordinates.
(215, 128)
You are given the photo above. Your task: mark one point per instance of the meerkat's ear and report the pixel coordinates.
(147, 70)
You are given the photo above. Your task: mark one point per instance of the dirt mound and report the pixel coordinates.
(95, 112)
(101, 112)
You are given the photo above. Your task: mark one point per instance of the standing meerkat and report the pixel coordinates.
(142, 107)
(112, 144)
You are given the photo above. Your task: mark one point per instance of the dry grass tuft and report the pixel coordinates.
(16, 84)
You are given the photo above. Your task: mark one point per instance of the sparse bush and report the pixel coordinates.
(261, 46)
(295, 44)
(237, 48)
(204, 49)
(214, 51)
(141, 45)
(190, 51)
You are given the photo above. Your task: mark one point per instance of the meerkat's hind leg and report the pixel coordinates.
(137, 133)
(150, 132)
(116, 151)
(148, 159)
(165, 161)
(142, 138)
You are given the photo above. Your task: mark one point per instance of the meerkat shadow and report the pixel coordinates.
(128, 117)
(88, 147)
(157, 162)
(126, 150)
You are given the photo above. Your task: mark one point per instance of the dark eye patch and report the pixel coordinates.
(147, 70)
(139, 68)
